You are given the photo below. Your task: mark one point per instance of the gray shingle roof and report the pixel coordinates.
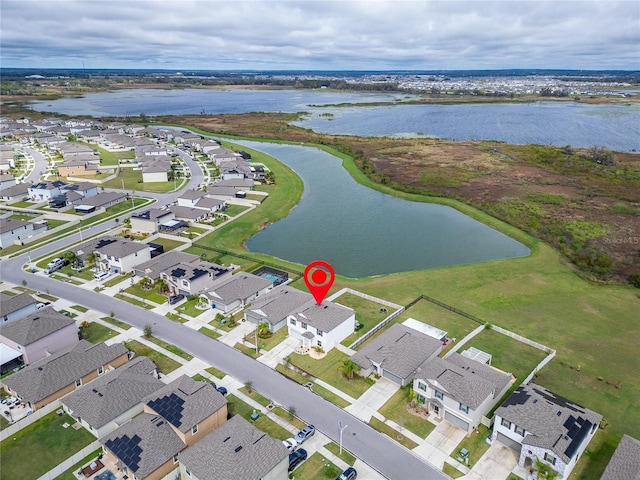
(185, 402)
(52, 373)
(188, 213)
(275, 305)
(400, 350)
(238, 287)
(152, 268)
(115, 392)
(114, 246)
(550, 421)
(15, 190)
(143, 444)
(152, 214)
(35, 326)
(103, 198)
(8, 224)
(192, 271)
(325, 317)
(235, 450)
(625, 463)
(467, 381)
(193, 194)
(10, 304)
(208, 202)
(223, 191)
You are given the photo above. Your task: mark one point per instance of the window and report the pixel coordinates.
(292, 321)
(185, 283)
(422, 386)
(421, 399)
(463, 408)
(438, 394)
(194, 429)
(175, 459)
(319, 333)
(506, 423)
(100, 371)
(188, 472)
(519, 430)
(78, 382)
(303, 325)
(550, 458)
(319, 343)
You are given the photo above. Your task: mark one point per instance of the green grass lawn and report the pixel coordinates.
(255, 396)
(392, 433)
(23, 204)
(52, 223)
(327, 370)
(292, 374)
(133, 181)
(368, 313)
(168, 243)
(165, 364)
(209, 332)
(282, 413)
(250, 351)
(69, 474)
(175, 318)
(236, 406)
(115, 280)
(328, 395)
(97, 333)
(396, 409)
(215, 372)
(317, 467)
(22, 216)
(452, 471)
(45, 440)
(108, 158)
(270, 342)
(151, 295)
(133, 301)
(476, 445)
(4, 423)
(80, 308)
(200, 378)
(171, 348)
(233, 210)
(117, 323)
(335, 449)
(190, 308)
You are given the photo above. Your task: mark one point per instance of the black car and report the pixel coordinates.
(173, 299)
(296, 458)
(349, 474)
(222, 390)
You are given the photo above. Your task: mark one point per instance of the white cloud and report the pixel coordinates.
(306, 34)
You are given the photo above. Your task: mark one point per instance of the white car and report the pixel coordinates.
(290, 443)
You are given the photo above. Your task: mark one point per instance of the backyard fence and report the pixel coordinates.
(522, 339)
(462, 342)
(371, 332)
(28, 420)
(71, 461)
(381, 301)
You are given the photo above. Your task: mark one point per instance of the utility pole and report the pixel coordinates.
(342, 429)
(80, 231)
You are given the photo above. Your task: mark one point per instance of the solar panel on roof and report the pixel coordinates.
(577, 440)
(170, 407)
(569, 422)
(127, 449)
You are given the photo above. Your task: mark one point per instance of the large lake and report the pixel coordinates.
(363, 232)
(556, 123)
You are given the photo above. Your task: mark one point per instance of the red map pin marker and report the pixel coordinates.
(319, 277)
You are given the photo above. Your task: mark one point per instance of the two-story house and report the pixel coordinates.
(173, 418)
(459, 389)
(541, 425)
(150, 220)
(12, 231)
(322, 325)
(236, 291)
(191, 279)
(13, 307)
(45, 191)
(275, 306)
(117, 254)
(114, 398)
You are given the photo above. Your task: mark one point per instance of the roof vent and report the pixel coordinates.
(36, 318)
(226, 439)
(238, 448)
(559, 413)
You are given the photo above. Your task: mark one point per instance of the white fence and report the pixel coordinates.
(522, 339)
(28, 420)
(462, 342)
(71, 461)
(395, 306)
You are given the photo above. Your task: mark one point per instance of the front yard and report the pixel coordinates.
(270, 342)
(39, 447)
(164, 363)
(96, 333)
(151, 295)
(396, 409)
(475, 445)
(328, 370)
(316, 467)
(236, 406)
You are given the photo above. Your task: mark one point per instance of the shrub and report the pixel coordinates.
(147, 330)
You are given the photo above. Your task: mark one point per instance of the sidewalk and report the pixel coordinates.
(373, 399)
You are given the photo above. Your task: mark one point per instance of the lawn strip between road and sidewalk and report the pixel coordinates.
(165, 364)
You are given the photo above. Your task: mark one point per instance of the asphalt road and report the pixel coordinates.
(41, 165)
(389, 458)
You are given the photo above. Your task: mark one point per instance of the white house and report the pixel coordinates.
(322, 325)
(236, 291)
(16, 306)
(45, 191)
(18, 231)
(459, 389)
(117, 254)
(190, 198)
(114, 398)
(538, 424)
(150, 220)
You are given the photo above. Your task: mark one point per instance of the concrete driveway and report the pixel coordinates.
(440, 443)
(496, 464)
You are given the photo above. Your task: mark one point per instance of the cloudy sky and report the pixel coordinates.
(320, 35)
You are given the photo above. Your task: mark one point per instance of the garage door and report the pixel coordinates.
(456, 420)
(512, 444)
(392, 377)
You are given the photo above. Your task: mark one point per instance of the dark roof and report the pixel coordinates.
(549, 420)
(103, 198)
(143, 444)
(9, 224)
(467, 381)
(10, 304)
(35, 326)
(399, 350)
(50, 374)
(188, 213)
(114, 393)
(184, 402)
(152, 214)
(235, 450)
(192, 271)
(625, 463)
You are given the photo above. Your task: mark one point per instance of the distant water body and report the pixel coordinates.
(547, 123)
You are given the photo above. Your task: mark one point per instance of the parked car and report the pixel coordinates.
(42, 305)
(101, 276)
(305, 433)
(173, 299)
(213, 384)
(296, 458)
(55, 264)
(349, 474)
(290, 443)
(222, 390)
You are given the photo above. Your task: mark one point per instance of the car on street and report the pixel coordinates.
(305, 433)
(296, 458)
(349, 474)
(173, 299)
(290, 443)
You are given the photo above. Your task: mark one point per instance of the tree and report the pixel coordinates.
(91, 258)
(601, 155)
(161, 284)
(292, 412)
(349, 369)
(263, 330)
(147, 330)
(249, 386)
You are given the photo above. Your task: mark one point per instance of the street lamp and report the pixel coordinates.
(80, 231)
(342, 429)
